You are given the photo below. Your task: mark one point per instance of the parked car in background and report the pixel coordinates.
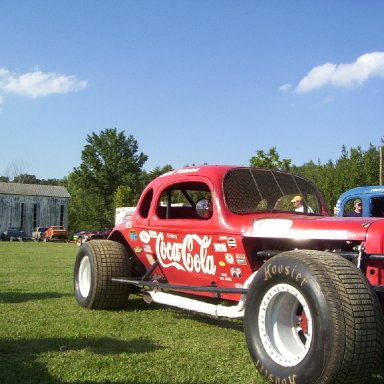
(79, 234)
(12, 233)
(38, 232)
(55, 233)
(83, 236)
(371, 197)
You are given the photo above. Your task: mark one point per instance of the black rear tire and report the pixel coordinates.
(312, 317)
(97, 262)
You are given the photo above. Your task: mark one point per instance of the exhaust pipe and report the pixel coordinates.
(173, 300)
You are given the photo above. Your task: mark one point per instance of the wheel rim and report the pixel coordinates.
(85, 276)
(285, 325)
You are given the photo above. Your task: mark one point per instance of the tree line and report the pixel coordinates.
(111, 175)
(355, 167)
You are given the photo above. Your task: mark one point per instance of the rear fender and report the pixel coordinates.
(138, 268)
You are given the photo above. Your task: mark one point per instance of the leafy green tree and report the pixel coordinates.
(147, 177)
(111, 167)
(51, 181)
(355, 167)
(270, 160)
(123, 197)
(25, 178)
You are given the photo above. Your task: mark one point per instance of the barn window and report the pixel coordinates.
(21, 216)
(62, 215)
(34, 215)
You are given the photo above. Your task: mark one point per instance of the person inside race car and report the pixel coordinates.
(357, 209)
(298, 205)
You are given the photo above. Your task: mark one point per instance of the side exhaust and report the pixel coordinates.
(174, 300)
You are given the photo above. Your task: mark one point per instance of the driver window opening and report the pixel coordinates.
(191, 200)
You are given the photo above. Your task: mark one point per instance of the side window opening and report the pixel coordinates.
(349, 206)
(145, 204)
(178, 201)
(377, 207)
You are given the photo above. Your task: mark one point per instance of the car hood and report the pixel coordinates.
(310, 227)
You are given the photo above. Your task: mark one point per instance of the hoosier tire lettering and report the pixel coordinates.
(280, 269)
(274, 379)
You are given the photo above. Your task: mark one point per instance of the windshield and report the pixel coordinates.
(249, 190)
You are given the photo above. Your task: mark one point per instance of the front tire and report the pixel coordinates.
(312, 317)
(97, 262)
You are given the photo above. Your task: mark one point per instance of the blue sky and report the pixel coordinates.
(194, 81)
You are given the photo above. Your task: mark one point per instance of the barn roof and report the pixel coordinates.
(33, 190)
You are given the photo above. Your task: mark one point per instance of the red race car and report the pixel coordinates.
(308, 285)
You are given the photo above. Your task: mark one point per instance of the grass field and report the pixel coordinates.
(45, 337)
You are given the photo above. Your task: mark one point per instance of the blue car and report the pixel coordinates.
(370, 197)
(12, 233)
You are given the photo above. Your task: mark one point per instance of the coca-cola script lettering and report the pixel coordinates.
(190, 255)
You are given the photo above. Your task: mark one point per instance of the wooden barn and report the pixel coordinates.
(28, 206)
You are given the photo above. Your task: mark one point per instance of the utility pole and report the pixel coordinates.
(381, 166)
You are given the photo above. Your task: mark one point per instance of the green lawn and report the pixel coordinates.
(45, 337)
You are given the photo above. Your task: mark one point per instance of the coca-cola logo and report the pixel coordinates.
(189, 255)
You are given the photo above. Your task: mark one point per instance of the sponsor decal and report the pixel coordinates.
(222, 263)
(225, 277)
(133, 235)
(229, 258)
(152, 234)
(144, 237)
(220, 247)
(172, 236)
(138, 249)
(128, 224)
(236, 272)
(150, 258)
(222, 238)
(189, 255)
(180, 171)
(232, 242)
(147, 248)
(241, 259)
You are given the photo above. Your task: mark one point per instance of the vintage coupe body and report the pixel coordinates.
(55, 233)
(228, 241)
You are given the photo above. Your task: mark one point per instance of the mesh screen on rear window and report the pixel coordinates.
(248, 190)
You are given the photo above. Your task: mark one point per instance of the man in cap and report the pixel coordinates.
(357, 209)
(298, 205)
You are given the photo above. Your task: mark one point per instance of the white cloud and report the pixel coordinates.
(285, 88)
(344, 75)
(37, 83)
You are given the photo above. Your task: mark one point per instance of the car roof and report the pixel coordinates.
(210, 171)
(365, 190)
(185, 173)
